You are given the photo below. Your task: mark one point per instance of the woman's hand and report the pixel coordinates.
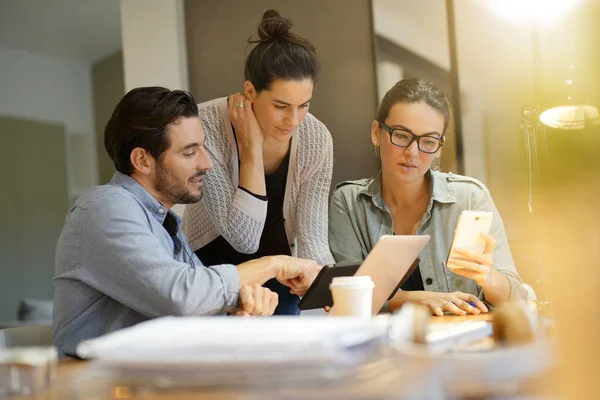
(247, 130)
(456, 303)
(480, 267)
(473, 265)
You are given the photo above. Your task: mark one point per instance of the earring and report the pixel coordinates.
(377, 152)
(435, 165)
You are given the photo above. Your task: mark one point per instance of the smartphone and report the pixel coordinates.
(470, 226)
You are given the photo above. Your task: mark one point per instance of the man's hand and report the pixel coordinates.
(296, 273)
(256, 300)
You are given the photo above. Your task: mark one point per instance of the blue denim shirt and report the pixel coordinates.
(358, 217)
(116, 266)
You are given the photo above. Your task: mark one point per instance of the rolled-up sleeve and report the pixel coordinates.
(121, 257)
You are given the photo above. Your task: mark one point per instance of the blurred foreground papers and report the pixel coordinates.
(267, 358)
(234, 340)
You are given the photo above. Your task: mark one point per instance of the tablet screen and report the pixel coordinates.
(318, 295)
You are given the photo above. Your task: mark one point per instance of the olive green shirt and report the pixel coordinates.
(358, 217)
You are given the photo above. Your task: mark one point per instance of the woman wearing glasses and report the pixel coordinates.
(410, 196)
(268, 191)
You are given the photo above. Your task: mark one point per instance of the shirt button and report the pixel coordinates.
(428, 281)
(161, 210)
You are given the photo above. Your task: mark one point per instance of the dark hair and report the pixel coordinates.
(279, 54)
(141, 119)
(415, 90)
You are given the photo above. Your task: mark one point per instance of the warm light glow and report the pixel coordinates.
(542, 11)
(570, 117)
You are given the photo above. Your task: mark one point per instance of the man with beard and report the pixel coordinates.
(122, 257)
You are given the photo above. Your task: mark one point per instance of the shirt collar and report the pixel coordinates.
(439, 189)
(373, 191)
(139, 192)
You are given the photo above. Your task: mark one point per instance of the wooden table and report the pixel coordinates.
(457, 318)
(69, 369)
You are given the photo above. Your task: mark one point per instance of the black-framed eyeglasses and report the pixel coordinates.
(427, 143)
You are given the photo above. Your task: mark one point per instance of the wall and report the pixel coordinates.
(47, 89)
(42, 88)
(34, 203)
(46, 112)
(419, 27)
(345, 95)
(154, 51)
(108, 89)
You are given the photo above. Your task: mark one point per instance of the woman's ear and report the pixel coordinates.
(249, 90)
(375, 133)
(142, 161)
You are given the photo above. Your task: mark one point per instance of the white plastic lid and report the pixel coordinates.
(352, 282)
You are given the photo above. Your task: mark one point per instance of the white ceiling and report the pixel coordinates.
(77, 30)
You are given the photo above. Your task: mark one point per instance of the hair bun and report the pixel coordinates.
(273, 26)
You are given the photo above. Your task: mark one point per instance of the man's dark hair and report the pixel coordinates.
(141, 119)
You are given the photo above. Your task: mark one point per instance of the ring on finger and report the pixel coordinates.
(239, 104)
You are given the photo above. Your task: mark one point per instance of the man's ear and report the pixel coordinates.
(142, 161)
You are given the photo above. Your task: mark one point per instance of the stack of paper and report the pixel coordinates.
(234, 340)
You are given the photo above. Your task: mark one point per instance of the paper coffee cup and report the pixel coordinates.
(352, 295)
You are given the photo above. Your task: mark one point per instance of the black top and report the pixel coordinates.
(414, 281)
(273, 240)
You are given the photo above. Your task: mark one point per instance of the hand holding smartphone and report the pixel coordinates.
(470, 226)
(470, 255)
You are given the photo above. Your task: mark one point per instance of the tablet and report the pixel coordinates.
(319, 295)
(388, 263)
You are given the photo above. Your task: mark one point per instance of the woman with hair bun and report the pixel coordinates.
(268, 191)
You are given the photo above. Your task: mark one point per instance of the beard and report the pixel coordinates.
(175, 190)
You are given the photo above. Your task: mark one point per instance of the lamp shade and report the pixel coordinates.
(570, 117)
